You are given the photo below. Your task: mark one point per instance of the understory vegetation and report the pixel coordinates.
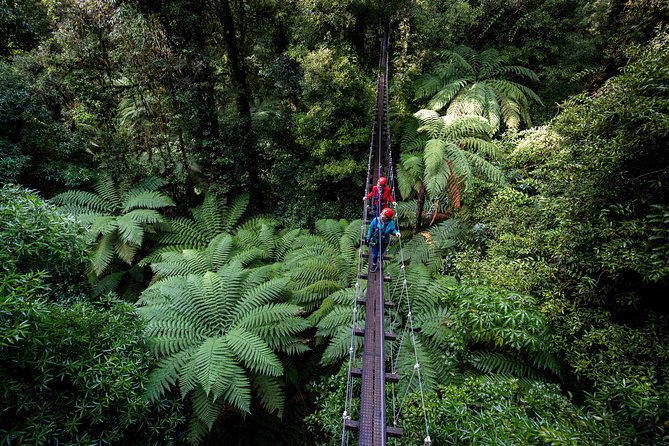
(181, 214)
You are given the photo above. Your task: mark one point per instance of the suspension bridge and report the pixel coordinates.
(371, 367)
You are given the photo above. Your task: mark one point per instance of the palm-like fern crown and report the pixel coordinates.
(437, 148)
(323, 263)
(118, 219)
(472, 83)
(430, 246)
(218, 335)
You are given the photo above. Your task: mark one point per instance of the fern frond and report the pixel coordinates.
(204, 298)
(338, 347)
(238, 392)
(107, 190)
(205, 409)
(270, 393)
(405, 362)
(184, 232)
(427, 85)
(108, 283)
(330, 230)
(274, 321)
(82, 202)
(286, 243)
(146, 200)
(267, 292)
(232, 284)
(145, 216)
(433, 156)
(164, 376)
(149, 184)
(235, 211)
(103, 254)
(448, 234)
(516, 70)
(501, 364)
(339, 317)
(181, 264)
(447, 92)
(493, 173)
(326, 306)
(130, 230)
(220, 250)
(253, 352)
(210, 359)
(103, 225)
(248, 256)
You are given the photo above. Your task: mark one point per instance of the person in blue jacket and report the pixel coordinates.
(379, 230)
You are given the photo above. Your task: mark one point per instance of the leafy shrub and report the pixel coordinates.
(74, 376)
(35, 237)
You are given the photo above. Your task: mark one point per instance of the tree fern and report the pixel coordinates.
(119, 219)
(255, 243)
(481, 84)
(444, 155)
(210, 219)
(216, 334)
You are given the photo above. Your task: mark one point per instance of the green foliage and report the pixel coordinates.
(118, 220)
(37, 150)
(479, 84)
(450, 147)
(219, 335)
(582, 226)
(504, 410)
(73, 375)
(36, 239)
(599, 348)
(459, 328)
(324, 263)
(332, 124)
(210, 219)
(20, 302)
(23, 23)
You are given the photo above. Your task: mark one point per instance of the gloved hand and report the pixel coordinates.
(364, 198)
(397, 234)
(395, 204)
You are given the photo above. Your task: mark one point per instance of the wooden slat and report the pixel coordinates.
(388, 335)
(390, 377)
(386, 304)
(393, 432)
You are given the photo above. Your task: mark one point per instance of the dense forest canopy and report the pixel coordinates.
(180, 214)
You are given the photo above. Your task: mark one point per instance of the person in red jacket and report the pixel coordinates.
(380, 191)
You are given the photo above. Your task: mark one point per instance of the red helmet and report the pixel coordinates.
(382, 181)
(388, 212)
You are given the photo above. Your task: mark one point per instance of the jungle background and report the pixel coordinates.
(182, 184)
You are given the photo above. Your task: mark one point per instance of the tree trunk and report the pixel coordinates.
(242, 99)
(419, 208)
